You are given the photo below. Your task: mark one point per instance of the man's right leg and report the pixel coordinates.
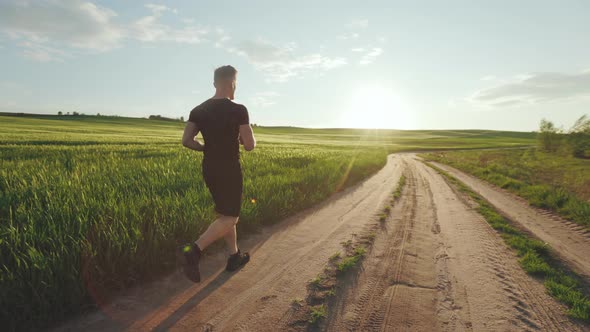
(220, 227)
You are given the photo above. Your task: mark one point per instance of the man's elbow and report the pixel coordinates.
(250, 147)
(185, 143)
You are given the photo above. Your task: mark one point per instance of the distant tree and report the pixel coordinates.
(182, 118)
(60, 113)
(549, 139)
(579, 137)
(68, 113)
(582, 125)
(159, 117)
(76, 113)
(97, 114)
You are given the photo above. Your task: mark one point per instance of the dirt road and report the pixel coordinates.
(571, 241)
(436, 266)
(440, 267)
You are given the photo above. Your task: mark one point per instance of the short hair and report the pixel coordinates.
(224, 72)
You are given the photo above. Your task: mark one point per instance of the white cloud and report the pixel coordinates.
(535, 88)
(279, 62)
(370, 50)
(42, 53)
(222, 38)
(49, 30)
(371, 55)
(354, 26)
(150, 29)
(358, 24)
(263, 99)
(348, 36)
(55, 30)
(159, 9)
(76, 23)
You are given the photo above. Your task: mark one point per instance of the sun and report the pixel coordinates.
(374, 107)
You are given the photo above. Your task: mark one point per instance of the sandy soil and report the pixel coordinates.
(436, 265)
(439, 267)
(570, 240)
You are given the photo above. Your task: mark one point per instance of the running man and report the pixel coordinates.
(223, 124)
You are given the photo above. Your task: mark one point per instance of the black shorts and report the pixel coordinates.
(224, 180)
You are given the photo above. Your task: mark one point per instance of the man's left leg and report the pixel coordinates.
(236, 258)
(231, 240)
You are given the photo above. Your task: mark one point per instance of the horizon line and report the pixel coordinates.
(167, 119)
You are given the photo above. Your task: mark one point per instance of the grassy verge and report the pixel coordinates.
(549, 181)
(534, 256)
(323, 288)
(318, 313)
(398, 191)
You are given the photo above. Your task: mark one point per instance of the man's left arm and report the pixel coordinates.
(188, 138)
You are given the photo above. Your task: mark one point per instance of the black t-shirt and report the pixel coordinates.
(219, 120)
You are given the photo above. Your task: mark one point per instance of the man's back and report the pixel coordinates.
(219, 120)
(224, 125)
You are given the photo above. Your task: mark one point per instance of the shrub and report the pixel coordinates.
(549, 136)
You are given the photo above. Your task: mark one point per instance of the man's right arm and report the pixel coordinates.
(188, 138)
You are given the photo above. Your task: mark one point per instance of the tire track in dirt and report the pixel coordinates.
(401, 279)
(415, 280)
(569, 240)
(500, 294)
(438, 266)
(369, 311)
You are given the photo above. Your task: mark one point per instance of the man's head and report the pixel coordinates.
(224, 80)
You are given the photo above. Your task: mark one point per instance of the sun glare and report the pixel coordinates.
(376, 107)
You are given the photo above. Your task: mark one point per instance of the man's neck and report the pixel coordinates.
(219, 95)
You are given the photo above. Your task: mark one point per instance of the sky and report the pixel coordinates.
(500, 65)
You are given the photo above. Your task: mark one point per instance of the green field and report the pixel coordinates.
(89, 130)
(89, 205)
(551, 181)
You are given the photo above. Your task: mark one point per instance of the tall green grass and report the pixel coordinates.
(79, 221)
